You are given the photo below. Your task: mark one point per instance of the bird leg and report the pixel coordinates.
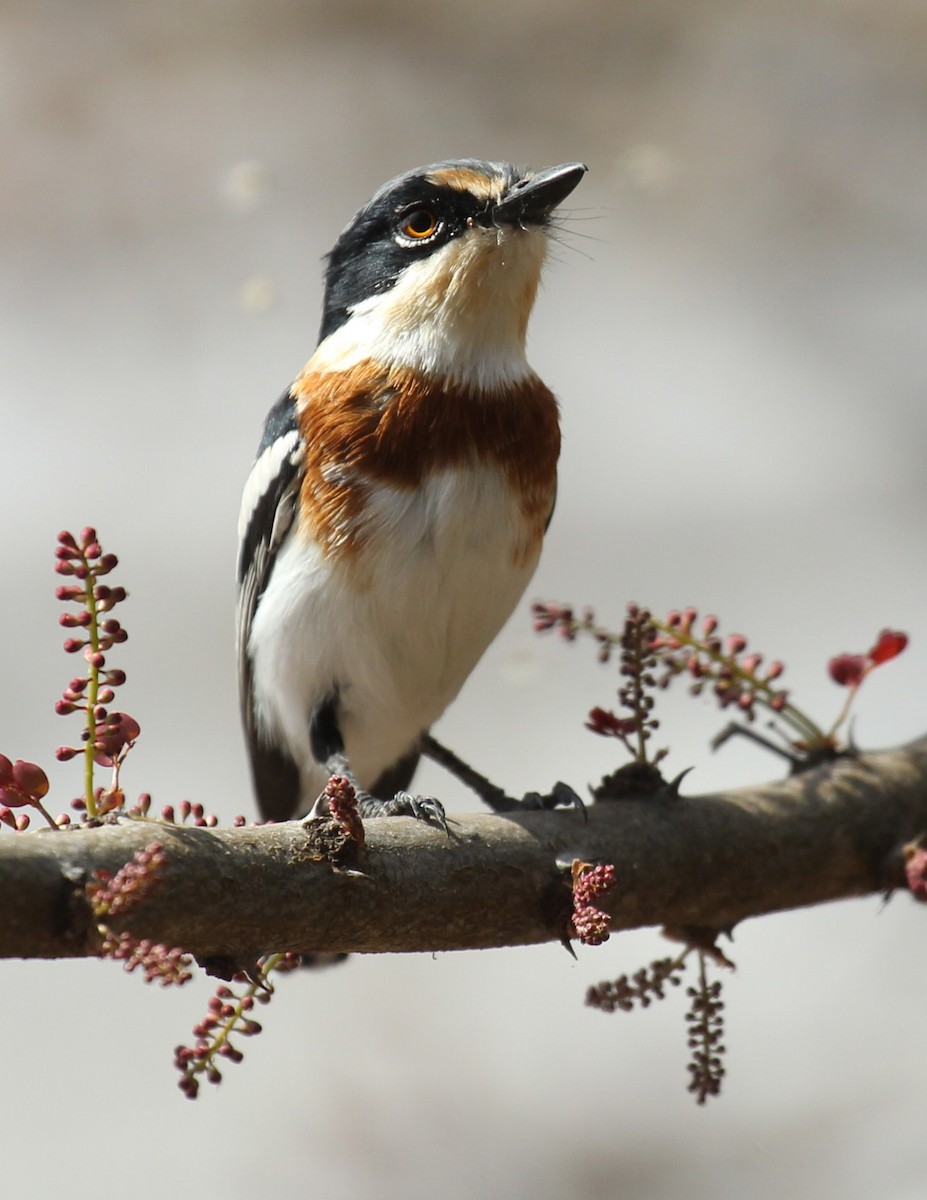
(492, 796)
(402, 804)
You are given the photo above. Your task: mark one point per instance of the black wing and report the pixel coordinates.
(267, 510)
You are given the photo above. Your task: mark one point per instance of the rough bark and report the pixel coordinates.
(711, 860)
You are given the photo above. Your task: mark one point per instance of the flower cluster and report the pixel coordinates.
(734, 676)
(342, 804)
(113, 896)
(589, 883)
(107, 736)
(641, 988)
(681, 645)
(704, 1018)
(106, 739)
(159, 963)
(228, 1016)
(116, 895)
(680, 648)
(706, 1029)
(638, 644)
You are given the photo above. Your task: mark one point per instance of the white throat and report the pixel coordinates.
(461, 313)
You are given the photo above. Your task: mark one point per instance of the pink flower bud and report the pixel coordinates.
(915, 864)
(847, 669)
(31, 778)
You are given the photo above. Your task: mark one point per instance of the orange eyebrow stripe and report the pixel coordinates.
(465, 179)
(372, 425)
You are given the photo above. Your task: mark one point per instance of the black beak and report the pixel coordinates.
(532, 200)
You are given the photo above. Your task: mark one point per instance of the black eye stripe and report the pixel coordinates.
(373, 251)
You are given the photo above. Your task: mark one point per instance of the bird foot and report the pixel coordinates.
(561, 795)
(404, 804)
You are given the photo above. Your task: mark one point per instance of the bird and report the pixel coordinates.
(403, 484)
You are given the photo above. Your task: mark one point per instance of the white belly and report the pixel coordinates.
(396, 629)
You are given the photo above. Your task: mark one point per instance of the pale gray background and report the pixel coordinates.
(734, 320)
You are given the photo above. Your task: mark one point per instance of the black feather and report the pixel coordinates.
(275, 775)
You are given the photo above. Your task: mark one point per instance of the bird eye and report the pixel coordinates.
(418, 224)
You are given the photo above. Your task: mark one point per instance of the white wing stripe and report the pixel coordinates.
(263, 473)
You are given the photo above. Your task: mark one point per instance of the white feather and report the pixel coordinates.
(461, 314)
(399, 637)
(264, 472)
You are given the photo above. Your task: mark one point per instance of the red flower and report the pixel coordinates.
(847, 669)
(603, 721)
(890, 644)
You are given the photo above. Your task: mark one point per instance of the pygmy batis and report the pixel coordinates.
(402, 488)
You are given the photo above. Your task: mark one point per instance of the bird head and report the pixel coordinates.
(439, 270)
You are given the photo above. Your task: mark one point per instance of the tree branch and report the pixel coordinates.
(712, 860)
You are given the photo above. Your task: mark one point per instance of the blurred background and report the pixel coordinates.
(733, 317)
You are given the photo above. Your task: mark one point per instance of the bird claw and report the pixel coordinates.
(404, 804)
